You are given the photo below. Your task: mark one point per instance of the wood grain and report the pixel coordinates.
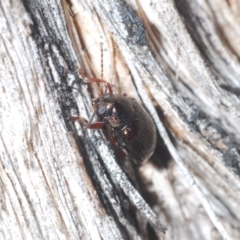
(180, 59)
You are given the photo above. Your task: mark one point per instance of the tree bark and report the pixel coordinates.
(179, 59)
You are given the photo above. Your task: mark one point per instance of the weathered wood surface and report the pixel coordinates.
(59, 181)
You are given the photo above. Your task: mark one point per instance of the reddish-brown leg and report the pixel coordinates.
(95, 125)
(113, 140)
(96, 80)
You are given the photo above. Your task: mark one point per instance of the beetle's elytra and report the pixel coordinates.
(130, 124)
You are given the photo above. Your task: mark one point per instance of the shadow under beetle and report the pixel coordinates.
(130, 123)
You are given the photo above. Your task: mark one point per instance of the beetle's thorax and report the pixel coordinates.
(116, 110)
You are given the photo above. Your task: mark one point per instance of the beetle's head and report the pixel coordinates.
(104, 106)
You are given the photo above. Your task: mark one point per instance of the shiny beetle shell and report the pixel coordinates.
(130, 123)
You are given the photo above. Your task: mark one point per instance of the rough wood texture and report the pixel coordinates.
(60, 181)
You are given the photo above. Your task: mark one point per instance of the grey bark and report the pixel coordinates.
(61, 181)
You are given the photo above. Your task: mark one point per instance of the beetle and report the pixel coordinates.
(130, 123)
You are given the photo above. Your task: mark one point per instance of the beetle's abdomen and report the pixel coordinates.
(139, 137)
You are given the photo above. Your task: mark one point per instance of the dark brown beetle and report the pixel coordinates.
(130, 124)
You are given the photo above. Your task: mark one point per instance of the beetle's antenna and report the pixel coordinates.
(94, 113)
(101, 45)
(100, 91)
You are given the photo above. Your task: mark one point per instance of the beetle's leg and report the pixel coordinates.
(95, 125)
(78, 119)
(96, 80)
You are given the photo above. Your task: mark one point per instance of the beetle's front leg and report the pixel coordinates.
(96, 80)
(95, 125)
